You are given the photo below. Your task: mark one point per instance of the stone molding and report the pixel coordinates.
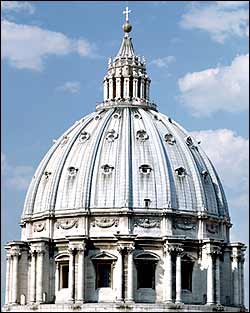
(212, 228)
(184, 224)
(147, 223)
(39, 226)
(105, 222)
(67, 224)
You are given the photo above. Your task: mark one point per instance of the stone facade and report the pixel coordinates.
(125, 213)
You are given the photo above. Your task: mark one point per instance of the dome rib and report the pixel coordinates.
(31, 195)
(164, 194)
(50, 202)
(197, 185)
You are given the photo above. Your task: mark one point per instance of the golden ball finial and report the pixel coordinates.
(127, 27)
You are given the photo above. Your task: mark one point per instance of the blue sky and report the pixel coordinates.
(54, 57)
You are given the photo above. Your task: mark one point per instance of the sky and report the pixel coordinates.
(54, 56)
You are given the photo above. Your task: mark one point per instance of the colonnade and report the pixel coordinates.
(126, 87)
(36, 275)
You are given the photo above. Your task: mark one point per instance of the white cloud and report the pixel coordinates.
(164, 62)
(71, 86)
(26, 46)
(17, 6)
(229, 154)
(221, 19)
(231, 4)
(16, 177)
(224, 88)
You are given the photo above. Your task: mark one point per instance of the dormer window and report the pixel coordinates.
(72, 171)
(180, 171)
(145, 169)
(169, 138)
(98, 117)
(107, 169)
(117, 116)
(204, 173)
(64, 140)
(84, 136)
(111, 135)
(189, 141)
(137, 116)
(141, 135)
(147, 203)
(47, 174)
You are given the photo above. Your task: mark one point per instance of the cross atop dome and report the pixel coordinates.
(127, 27)
(126, 13)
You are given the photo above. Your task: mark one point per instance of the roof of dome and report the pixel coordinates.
(125, 155)
(121, 157)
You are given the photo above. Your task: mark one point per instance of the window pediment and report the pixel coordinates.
(104, 256)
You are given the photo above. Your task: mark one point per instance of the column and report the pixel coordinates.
(33, 277)
(40, 272)
(135, 88)
(168, 276)
(105, 90)
(71, 274)
(147, 89)
(81, 275)
(126, 88)
(15, 277)
(239, 279)
(57, 278)
(7, 289)
(118, 88)
(142, 88)
(235, 273)
(217, 279)
(119, 280)
(242, 280)
(178, 278)
(130, 274)
(111, 88)
(210, 281)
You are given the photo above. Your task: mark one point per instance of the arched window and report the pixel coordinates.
(146, 264)
(103, 263)
(62, 269)
(187, 264)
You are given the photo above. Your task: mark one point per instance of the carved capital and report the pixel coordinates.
(173, 249)
(214, 252)
(81, 249)
(15, 252)
(120, 248)
(71, 250)
(40, 252)
(130, 248)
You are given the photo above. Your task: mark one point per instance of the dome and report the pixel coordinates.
(125, 157)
